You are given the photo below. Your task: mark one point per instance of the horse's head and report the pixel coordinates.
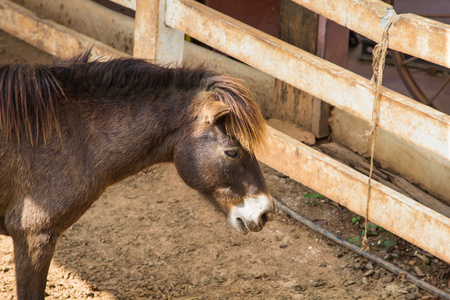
(216, 157)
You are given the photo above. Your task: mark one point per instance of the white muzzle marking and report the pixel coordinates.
(251, 214)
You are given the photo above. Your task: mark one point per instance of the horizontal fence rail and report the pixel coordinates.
(47, 35)
(393, 211)
(410, 33)
(400, 115)
(131, 4)
(389, 209)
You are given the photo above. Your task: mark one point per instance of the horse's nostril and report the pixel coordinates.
(266, 217)
(241, 223)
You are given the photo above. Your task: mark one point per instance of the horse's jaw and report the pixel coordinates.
(251, 214)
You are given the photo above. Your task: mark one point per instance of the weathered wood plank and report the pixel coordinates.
(47, 35)
(298, 27)
(153, 40)
(400, 115)
(332, 45)
(397, 213)
(410, 33)
(131, 4)
(421, 37)
(87, 17)
(391, 180)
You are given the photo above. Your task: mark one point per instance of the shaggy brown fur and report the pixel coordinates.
(30, 96)
(71, 129)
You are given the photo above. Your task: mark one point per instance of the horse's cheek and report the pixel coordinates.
(189, 168)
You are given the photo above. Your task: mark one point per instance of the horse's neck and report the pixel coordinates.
(127, 137)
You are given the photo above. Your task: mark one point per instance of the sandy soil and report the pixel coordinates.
(152, 237)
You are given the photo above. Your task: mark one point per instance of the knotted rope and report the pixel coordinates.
(378, 62)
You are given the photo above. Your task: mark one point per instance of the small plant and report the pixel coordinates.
(314, 197)
(379, 228)
(386, 243)
(372, 229)
(355, 241)
(376, 227)
(355, 220)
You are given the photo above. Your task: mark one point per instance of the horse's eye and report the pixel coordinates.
(231, 153)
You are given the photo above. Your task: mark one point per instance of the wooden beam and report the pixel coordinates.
(411, 34)
(393, 211)
(131, 4)
(393, 181)
(47, 35)
(298, 27)
(154, 40)
(332, 45)
(87, 17)
(400, 115)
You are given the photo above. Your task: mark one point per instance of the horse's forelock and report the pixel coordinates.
(245, 121)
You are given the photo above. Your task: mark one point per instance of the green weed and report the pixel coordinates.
(373, 229)
(355, 220)
(314, 197)
(355, 241)
(386, 243)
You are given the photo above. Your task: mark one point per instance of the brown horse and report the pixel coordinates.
(71, 129)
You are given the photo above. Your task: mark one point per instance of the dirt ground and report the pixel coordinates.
(152, 237)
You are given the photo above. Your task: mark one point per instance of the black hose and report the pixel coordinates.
(385, 264)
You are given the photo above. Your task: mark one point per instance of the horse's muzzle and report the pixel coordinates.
(251, 214)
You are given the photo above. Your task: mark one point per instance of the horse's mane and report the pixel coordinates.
(29, 95)
(245, 121)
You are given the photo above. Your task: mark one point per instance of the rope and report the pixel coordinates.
(378, 63)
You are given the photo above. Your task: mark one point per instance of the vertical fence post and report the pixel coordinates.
(154, 40)
(298, 26)
(332, 45)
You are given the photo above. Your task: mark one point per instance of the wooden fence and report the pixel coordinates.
(159, 31)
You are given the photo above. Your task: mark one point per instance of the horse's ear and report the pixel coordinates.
(213, 110)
